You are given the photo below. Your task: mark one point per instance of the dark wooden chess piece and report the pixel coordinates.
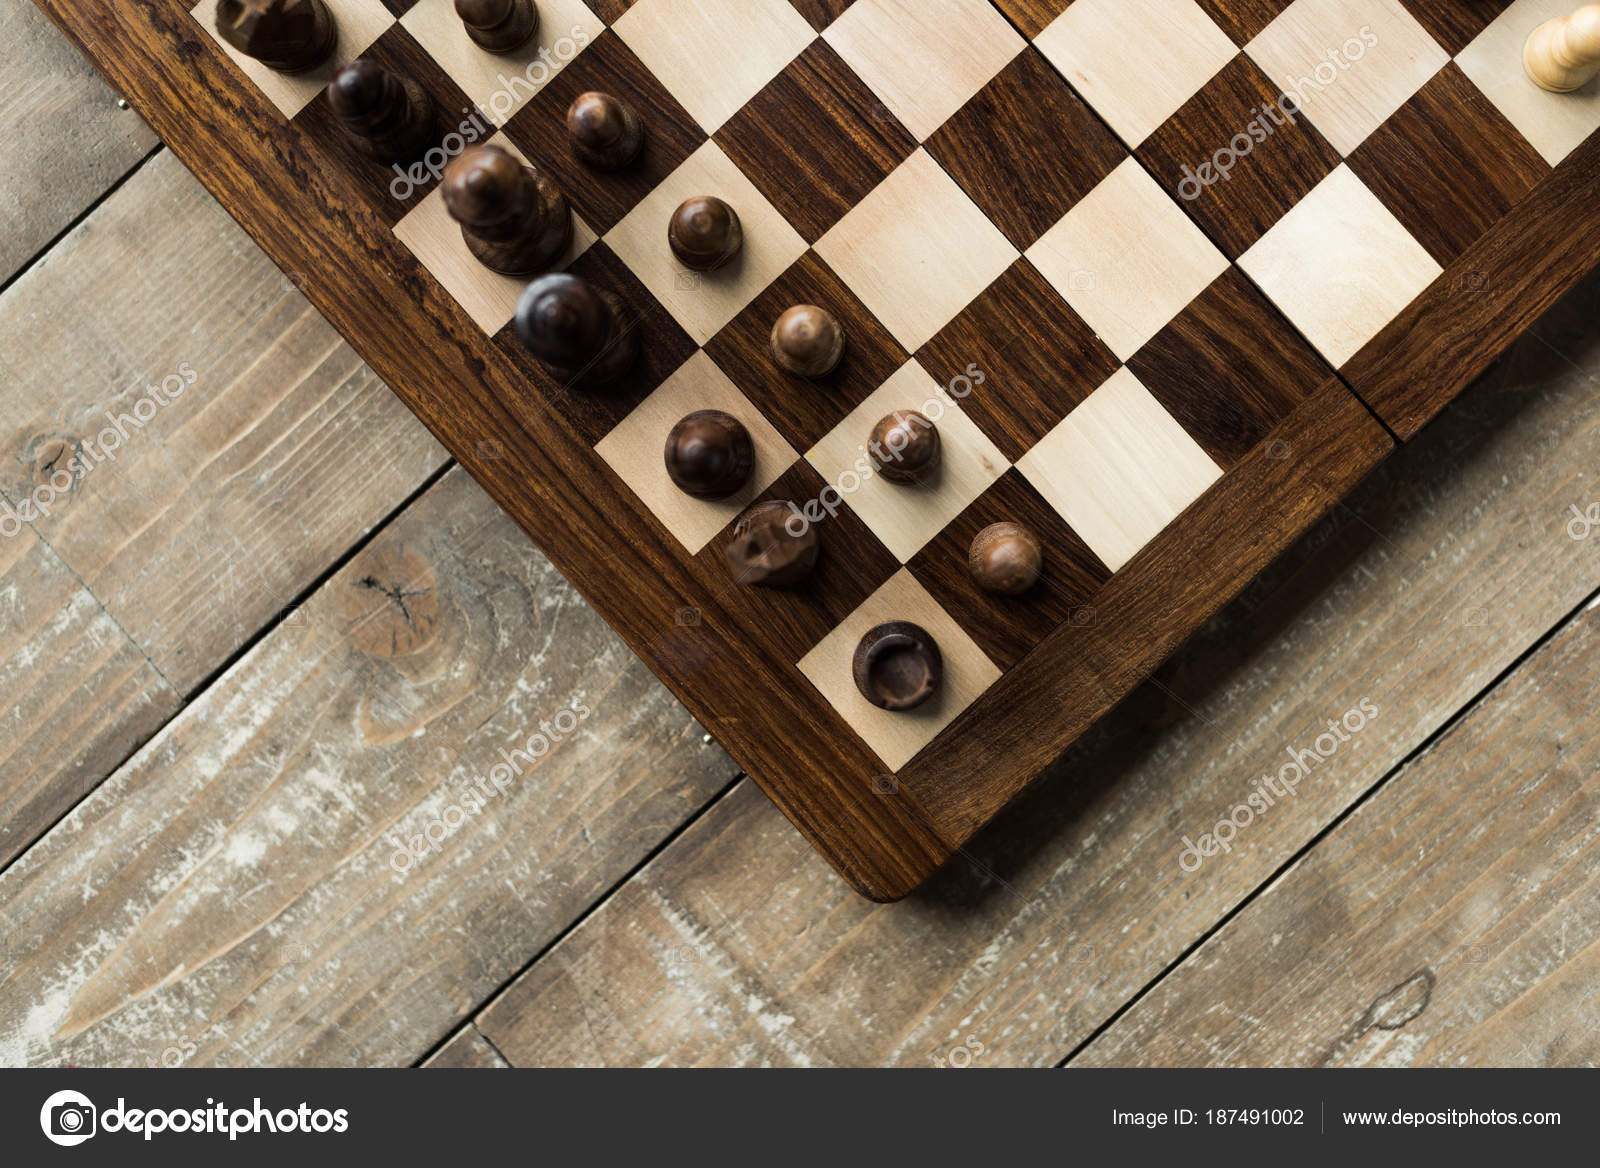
(513, 217)
(807, 341)
(898, 666)
(389, 118)
(605, 131)
(1006, 558)
(705, 233)
(905, 447)
(499, 26)
(576, 329)
(765, 549)
(710, 455)
(290, 36)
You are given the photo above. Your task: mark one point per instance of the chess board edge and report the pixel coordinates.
(884, 839)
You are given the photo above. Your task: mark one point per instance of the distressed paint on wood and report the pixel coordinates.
(1453, 920)
(234, 890)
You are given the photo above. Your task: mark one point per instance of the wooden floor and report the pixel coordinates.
(279, 636)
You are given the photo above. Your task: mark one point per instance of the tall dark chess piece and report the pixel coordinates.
(705, 233)
(290, 36)
(389, 118)
(606, 132)
(576, 329)
(513, 217)
(710, 455)
(897, 666)
(500, 26)
(765, 550)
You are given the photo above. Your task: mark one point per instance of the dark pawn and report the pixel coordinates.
(606, 132)
(897, 666)
(389, 118)
(910, 445)
(513, 217)
(807, 341)
(705, 233)
(766, 551)
(1006, 558)
(290, 36)
(576, 329)
(709, 455)
(499, 26)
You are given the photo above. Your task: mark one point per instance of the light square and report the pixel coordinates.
(905, 517)
(924, 58)
(1340, 266)
(1136, 61)
(500, 84)
(1119, 468)
(1373, 56)
(715, 55)
(702, 302)
(917, 250)
(360, 22)
(896, 737)
(635, 451)
(435, 239)
(1555, 123)
(1127, 259)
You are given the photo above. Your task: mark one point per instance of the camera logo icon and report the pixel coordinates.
(67, 1118)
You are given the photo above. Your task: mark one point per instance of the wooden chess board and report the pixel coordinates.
(1158, 314)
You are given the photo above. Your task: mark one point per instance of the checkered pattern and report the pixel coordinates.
(1006, 203)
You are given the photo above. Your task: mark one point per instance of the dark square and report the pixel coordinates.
(399, 53)
(1243, 20)
(1007, 627)
(1032, 17)
(1455, 24)
(852, 566)
(804, 410)
(603, 198)
(1026, 148)
(1234, 159)
(1448, 164)
(1229, 368)
(400, 7)
(1037, 358)
(821, 13)
(611, 11)
(663, 347)
(815, 141)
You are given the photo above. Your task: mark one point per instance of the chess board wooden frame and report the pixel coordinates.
(1492, 232)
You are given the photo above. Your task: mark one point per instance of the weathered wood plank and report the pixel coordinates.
(1453, 920)
(266, 452)
(235, 891)
(64, 140)
(78, 693)
(1415, 597)
(468, 1049)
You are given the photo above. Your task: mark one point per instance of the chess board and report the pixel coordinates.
(1170, 276)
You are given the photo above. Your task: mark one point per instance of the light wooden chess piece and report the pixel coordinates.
(1564, 54)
